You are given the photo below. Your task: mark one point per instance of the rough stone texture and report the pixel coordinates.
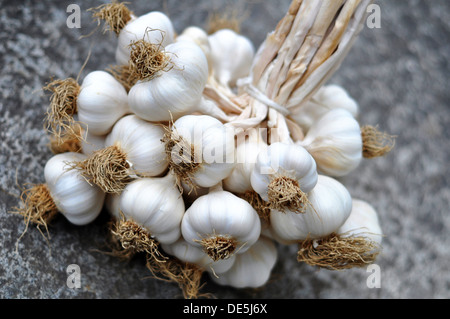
(397, 73)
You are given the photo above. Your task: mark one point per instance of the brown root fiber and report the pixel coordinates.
(224, 20)
(258, 204)
(186, 275)
(123, 74)
(38, 206)
(116, 15)
(336, 252)
(147, 60)
(69, 141)
(135, 239)
(376, 143)
(218, 247)
(285, 194)
(107, 168)
(63, 106)
(181, 157)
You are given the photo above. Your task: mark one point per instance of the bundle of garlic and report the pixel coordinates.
(207, 153)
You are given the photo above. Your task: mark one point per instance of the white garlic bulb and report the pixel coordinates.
(186, 252)
(232, 56)
(253, 268)
(335, 142)
(328, 97)
(75, 198)
(247, 150)
(363, 221)
(330, 204)
(207, 147)
(132, 149)
(221, 223)
(154, 27)
(176, 91)
(156, 205)
(283, 175)
(141, 142)
(102, 100)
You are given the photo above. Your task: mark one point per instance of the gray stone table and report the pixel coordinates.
(398, 73)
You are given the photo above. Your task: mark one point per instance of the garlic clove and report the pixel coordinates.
(329, 206)
(253, 268)
(335, 142)
(154, 27)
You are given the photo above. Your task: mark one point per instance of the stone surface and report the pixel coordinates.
(397, 73)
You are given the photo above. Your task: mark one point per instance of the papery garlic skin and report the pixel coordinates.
(101, 102)
(174, 92)
(186, 252)
(253, 268)
(239, 180)
(199, 37)
(221, 213)
(213, 147)
(335, 142)
(154, 27)
(156, 205)
(363, 221)
(92, 143)
(281, 159)
(232, 56)
(75, 198)
(327, 98)
(330, 206)
(141, 142)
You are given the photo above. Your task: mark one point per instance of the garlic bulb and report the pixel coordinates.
(221, 223)
(253, 268)
(335, 142)
(76, 199)
(328, 97)
(200, 150)
(153, 27)
(141, 142)
(330, 206)
(283, 175)
(232, 56)
(133, 148)
(176, 90)
(363, 221)
(247, 150)
(199, 37)
(155, 205)
(356, 243)
(101, 102)
(186, 252)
